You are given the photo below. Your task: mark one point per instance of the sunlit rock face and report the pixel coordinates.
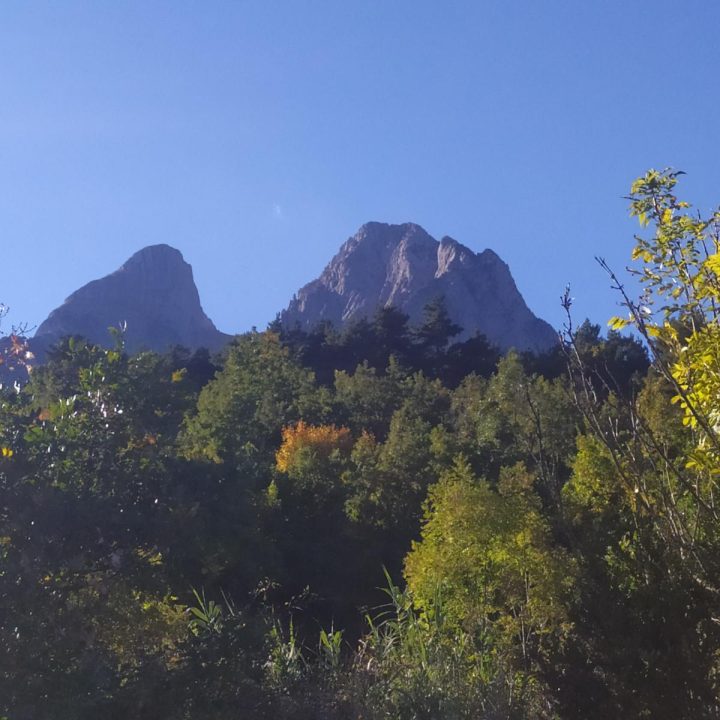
(153, 295)
(404, 267)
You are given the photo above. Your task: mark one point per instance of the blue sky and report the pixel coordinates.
(257, 136)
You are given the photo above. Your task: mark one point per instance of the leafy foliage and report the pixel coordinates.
(321, 441)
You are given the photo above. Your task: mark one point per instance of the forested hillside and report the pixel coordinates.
(377, 523)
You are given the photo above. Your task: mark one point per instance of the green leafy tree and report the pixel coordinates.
(259, 391)
(488, 553)
(645, 479)
(368, 398)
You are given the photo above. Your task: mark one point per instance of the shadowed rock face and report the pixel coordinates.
(153, 293)
(403, 266)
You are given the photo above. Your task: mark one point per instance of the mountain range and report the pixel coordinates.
(154, 298)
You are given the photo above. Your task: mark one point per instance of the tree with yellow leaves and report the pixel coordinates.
(678, 315)
(641, 506)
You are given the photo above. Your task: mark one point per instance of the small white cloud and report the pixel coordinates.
(277, 211)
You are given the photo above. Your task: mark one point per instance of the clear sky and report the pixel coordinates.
(256, 136)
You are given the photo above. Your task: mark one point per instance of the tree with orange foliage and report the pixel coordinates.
(302, 440)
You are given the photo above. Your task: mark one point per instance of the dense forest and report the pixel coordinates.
(378, 522)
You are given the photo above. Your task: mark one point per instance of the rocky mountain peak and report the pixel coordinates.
(403, 266)
(153, 294)
(160, 256)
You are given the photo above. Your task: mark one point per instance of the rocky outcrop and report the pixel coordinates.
(153, 295)
(404, 267)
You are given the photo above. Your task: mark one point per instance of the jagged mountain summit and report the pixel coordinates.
(403, 266)
(153, 294)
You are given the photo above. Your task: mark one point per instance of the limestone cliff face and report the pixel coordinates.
(153, 294)
(403, 266)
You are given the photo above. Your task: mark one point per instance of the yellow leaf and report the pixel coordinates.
(617, 323)
(713, 263)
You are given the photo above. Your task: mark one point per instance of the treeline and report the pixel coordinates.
(429, 347)
(376, 523)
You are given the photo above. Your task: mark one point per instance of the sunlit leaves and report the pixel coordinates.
(490, 557)
(617, 323)
(321, 440)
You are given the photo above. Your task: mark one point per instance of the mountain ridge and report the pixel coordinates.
(153, 293)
